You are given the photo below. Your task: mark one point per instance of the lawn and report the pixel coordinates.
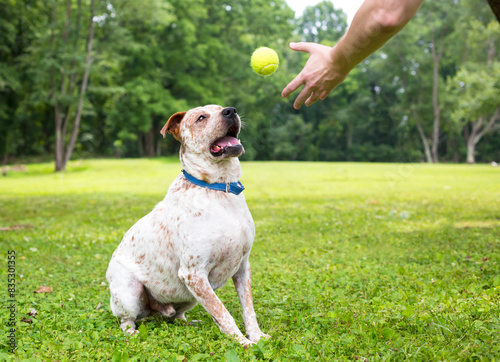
(351, 261)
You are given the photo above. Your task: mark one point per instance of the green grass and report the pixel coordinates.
(350, 261)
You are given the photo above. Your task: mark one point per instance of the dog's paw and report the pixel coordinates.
(179, 316)
(245, 342)
(194, 322)
(129, 328)
(255, 337)
(132, 332)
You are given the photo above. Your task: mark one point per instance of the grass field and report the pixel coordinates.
(351, 261)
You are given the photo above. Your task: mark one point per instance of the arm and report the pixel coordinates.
(373, 25)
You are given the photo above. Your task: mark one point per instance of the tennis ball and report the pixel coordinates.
(265, 61)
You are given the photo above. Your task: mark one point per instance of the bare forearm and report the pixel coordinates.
(374, 24)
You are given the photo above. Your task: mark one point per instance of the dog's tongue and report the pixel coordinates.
(227, 141)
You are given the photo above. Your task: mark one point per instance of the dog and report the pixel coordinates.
(197, 238)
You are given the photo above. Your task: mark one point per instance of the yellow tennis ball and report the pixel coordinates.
(265, 61)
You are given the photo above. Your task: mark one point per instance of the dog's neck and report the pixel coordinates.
(203, 168)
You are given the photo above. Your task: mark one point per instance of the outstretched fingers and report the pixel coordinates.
(301, 98)
(298, 81)
(295, 84)
(314, 97)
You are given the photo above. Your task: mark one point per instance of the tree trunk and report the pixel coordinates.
(149, 143)
(425, 143)
(435, 104)
(60, 125)
(471, 148)
(456, 158)
(59, 147)
(349, 140)
(72, 77)
(140, 145)
(479, 129)
(59, 142)
(158, 146)
(83, 89)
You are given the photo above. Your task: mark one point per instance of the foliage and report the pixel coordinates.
(155, 58)
(322, 22)
(354, 261)
(477, 90)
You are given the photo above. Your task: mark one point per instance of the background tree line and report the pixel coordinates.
(99, 78)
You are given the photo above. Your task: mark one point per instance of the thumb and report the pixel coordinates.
(302, 46)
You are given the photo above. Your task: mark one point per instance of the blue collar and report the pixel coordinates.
(233, 187)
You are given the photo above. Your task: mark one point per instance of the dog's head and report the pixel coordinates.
(210, 130)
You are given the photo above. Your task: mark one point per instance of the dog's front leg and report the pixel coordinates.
(201, 289)
(242, 282)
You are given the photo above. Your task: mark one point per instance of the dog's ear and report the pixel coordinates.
(173, 124)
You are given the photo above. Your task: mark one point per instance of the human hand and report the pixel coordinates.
(319, 76)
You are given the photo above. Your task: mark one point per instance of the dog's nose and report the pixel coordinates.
(229, 112)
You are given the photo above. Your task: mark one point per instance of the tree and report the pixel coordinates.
(63, 52)
(148, 60)
(412, 79)
(424, 55)
(440, 17)
(476, 87)
(322, 22)
(139, 101)
(16, 24)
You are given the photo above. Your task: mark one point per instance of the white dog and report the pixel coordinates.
(197, 238)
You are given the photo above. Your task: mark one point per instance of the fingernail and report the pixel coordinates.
(292, 44)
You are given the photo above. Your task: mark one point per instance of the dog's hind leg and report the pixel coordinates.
(181, 308)
(129, 299)
(165, 309)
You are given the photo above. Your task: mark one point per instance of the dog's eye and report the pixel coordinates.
(201, 118)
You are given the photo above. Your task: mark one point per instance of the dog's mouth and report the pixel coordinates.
(228, 144)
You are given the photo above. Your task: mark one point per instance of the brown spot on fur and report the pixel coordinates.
(185, 185)
(248, 294)
(205, 177)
